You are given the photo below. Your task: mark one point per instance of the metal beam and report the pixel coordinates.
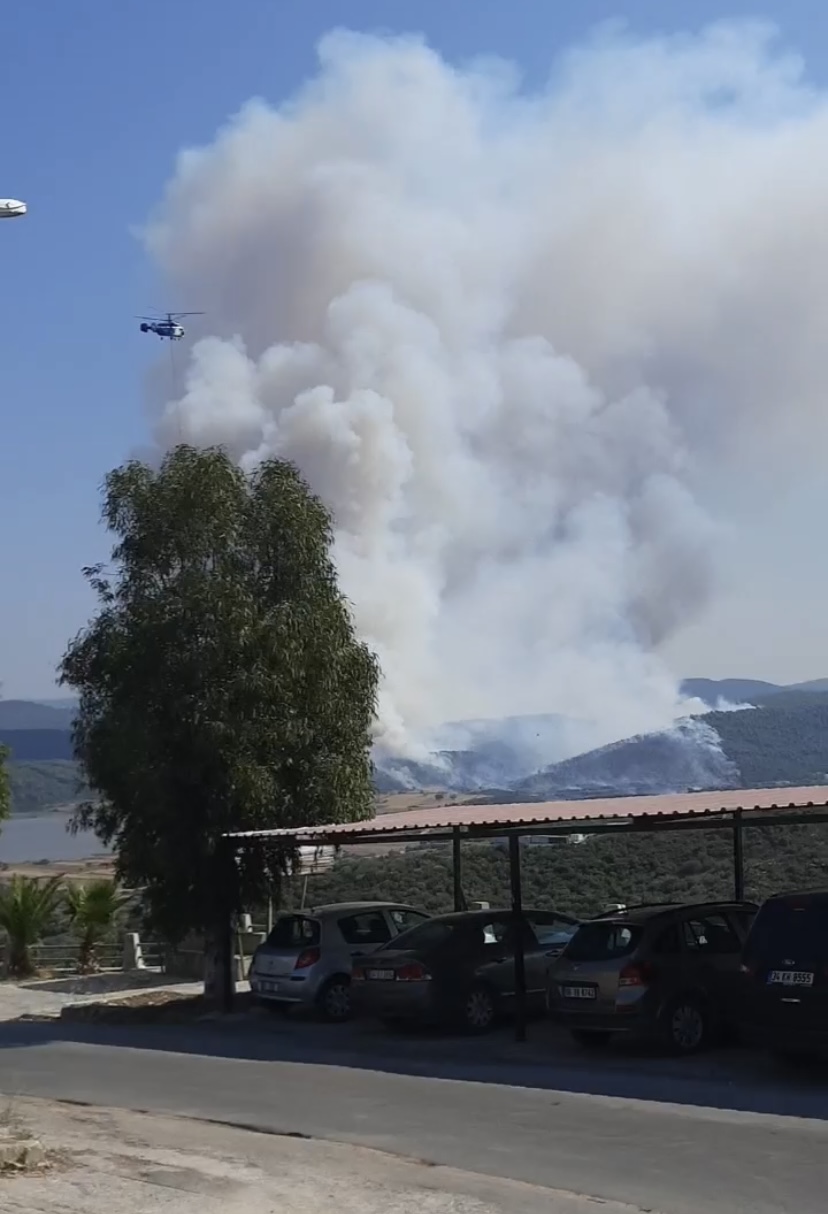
(738, 858)
(457, 870)
(520, 937)
(226, 906)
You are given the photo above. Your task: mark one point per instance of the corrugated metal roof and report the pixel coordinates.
(560, 813)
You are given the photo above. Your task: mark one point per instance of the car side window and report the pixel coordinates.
(710, 934)
(404, 919)
(497, 934)
(743, 920)
(366, 927)
(549, 929)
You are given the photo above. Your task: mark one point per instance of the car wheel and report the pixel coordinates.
(685, 1026)
(335, 1000)
(479, 1010)
(590, 1039)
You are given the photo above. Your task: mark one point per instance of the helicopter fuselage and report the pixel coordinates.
(173, 332)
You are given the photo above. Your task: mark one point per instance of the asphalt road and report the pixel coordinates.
(652, 1154)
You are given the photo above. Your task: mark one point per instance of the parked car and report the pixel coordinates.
(785, 975)
(666, 973)
(459, 969)
(308, 956)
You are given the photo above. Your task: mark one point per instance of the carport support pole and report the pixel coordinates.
(520, 959)
(227, 898)
(738, 857)
(457, 870)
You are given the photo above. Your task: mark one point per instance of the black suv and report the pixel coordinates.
(785, 975)
(667, 972)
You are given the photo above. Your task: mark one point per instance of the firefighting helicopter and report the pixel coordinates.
(166, 325)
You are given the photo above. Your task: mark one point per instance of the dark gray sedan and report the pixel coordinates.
(459, 969)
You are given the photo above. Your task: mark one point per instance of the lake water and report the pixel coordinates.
(31, 839)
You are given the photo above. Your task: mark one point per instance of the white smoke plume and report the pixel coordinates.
(511, 339)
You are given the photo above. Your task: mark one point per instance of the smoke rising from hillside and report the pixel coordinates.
(503, 335)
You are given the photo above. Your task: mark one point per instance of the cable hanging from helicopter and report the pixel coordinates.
(168, 325)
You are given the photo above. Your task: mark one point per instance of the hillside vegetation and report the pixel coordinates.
(778, 744)
(37, 745)
(41, 787)
(583, 878)
(784, 742)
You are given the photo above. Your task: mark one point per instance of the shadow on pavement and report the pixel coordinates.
(732, 1079)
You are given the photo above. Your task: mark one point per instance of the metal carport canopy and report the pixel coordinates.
(702, 810)
(732, 809)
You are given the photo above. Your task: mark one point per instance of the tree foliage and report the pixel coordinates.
(27, 909)
(778, 744)
(94, 911)
(221, 685)
(584, 878)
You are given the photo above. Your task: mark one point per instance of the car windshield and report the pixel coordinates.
(791, 925)
(603, 941)
(293, 931)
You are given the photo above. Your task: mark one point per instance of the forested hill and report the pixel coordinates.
(777, 744)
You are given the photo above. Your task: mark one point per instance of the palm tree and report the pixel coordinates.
(27, 907)
(94, 910)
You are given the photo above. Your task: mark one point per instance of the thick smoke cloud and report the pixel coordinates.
(513, 339)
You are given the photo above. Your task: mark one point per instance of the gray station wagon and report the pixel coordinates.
(309, 954)
(667, 973)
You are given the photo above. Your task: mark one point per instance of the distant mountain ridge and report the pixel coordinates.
(28, 714)
(748, 691)
(782, 739)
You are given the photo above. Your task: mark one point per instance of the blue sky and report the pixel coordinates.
(99, 98)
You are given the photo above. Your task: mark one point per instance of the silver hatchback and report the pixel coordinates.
(307, 957)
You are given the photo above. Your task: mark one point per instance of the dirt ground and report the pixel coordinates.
(71, 870)
(107, 1161)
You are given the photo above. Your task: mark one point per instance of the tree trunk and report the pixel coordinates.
(214, 968)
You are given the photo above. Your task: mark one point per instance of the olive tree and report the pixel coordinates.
(221, 684)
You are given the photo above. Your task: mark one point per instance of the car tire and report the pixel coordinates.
(685, 1025)
(334, 1000)
(591, 1039)
(479, 1010)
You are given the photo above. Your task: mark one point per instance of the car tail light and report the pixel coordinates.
(747, 970)
(357, 975)
(310, 956)
(413, 972)
(637, 973)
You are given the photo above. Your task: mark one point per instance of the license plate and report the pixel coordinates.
(791, 978)
(269, 987)
(381, 975)
(578, 992)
